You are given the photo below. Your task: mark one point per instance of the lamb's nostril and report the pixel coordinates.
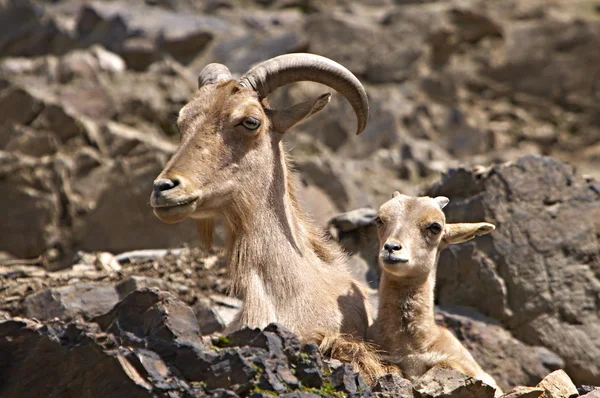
(392, 246)
(165, 184)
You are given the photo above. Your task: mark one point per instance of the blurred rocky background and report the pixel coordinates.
(493, 104)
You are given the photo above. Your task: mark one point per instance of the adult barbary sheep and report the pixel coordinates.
(412, 231)
(230, 164)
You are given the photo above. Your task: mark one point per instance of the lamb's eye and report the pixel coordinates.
(435, 228)
(251, 123)
(378, 222)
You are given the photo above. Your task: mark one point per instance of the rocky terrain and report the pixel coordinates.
(89, 93)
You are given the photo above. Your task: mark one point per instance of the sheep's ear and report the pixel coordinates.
(462, 232)
(395, 194)
(285, 119)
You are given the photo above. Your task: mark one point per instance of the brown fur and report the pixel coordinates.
(279, 262)
(363, 356)
(405, 328)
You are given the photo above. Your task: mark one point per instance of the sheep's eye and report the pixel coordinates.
(378, 222)
(435, 228)
(251, 123)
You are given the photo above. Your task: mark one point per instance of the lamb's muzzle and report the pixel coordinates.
(393, 253)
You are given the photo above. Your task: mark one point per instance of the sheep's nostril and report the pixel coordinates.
(392, 246)
(165, 184)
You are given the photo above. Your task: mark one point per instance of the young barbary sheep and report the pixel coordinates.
(230, 164)
(412, 231)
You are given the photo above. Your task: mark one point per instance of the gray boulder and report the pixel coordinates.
(509, 361)
(449, 383)
(71, 301)
(142, 34)
(536, 273)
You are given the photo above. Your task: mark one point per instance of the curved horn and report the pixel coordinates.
(213, 73)
(271, 74)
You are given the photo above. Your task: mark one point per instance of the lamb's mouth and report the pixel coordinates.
(392, 259)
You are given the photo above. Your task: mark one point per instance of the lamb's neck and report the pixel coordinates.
(406, 308)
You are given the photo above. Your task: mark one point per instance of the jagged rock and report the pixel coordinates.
(63, 360)
(149, 318)
(362, 394)
(114, 25)
(595, 393)
(134, 283)
(18, 106)
(585, 389)
(524, 392)
(309, 366)
(70, 199)
(276, 376)
(342, 37)
(254, 47)
(228, 368)
(26, 30)
(215, 312)
(277, 340)
(558, 385)
(450, 383)
(290, 342)
(534, 274)
(247, 355)
(299, 394)
(393, 385)
(149, 342)
(257, 338)
(88, 64)
(473, 26)
(68, 302)
(222, 393)
(330, 176)
(356, 231)
(209, 320)
(132, 358)
(506, 359)
(354, 219)
(346, 379)
(32, 226)
(540, 40)
(327, 32)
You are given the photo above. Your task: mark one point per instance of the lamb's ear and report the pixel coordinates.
(285, 119)
(462, 232)
(441, 201)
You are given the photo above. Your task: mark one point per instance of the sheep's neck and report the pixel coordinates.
(406, 311)
(270, 252)
(271, 245)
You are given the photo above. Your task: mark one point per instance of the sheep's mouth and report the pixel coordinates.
(175, 212)
(165, 204)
